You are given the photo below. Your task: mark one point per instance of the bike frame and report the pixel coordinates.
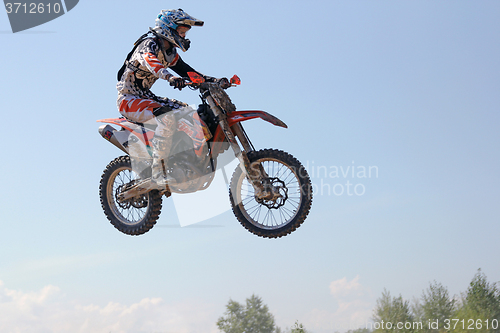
(233, 120)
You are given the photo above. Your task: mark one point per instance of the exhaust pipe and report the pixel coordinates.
(118, 138)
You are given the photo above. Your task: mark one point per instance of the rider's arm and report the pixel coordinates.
(181, 68)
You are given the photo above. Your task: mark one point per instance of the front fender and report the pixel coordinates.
(239, 116)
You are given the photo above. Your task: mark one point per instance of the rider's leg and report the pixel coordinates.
(158, 113)
(139, 110)
(162, 141)
(136, 108)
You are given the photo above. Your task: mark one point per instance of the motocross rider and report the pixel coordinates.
(148, 61)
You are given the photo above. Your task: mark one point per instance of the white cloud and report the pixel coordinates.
(345, 289)
(47, 310)
(354, 308)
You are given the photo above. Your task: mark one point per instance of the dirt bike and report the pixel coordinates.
(270, 192)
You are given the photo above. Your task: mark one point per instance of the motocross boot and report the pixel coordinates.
(162, 143)
(161, 149)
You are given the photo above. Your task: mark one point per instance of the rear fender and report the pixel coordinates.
(142, 133)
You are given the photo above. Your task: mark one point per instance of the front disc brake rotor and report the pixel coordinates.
(278, 193)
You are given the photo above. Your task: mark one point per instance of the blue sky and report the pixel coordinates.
(410, 88)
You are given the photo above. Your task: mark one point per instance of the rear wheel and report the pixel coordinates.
(284, 211)
(134, 216)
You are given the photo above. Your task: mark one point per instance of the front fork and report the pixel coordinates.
(254, 173)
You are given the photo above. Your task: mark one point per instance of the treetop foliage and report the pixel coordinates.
(436, 311)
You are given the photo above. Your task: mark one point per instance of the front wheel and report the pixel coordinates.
(134, 216)
(283, 211)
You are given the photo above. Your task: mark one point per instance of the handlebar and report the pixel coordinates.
(203, 85)
(195, 81)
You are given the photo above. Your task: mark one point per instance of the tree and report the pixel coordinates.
(298, 328)
(253, 317)
(391, 312)
(480, 306)
(360, 330)
(436, 307)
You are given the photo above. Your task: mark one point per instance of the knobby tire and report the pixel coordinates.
(121, 218)
(287, 172)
